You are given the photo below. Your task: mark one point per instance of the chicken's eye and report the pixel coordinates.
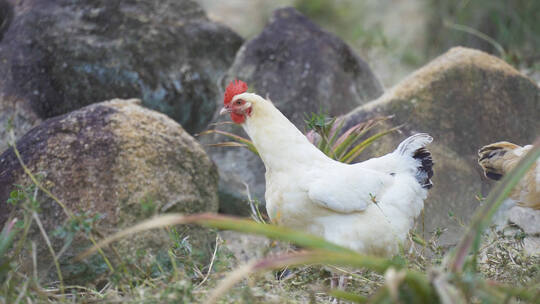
(238, 102)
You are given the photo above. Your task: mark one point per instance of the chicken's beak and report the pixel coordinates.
(224, 110)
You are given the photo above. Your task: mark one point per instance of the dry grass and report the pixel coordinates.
(422, 273)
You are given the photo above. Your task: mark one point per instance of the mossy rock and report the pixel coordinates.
(116, 159)
(59, 56)
(465, 99)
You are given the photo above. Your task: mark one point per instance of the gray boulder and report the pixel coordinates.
(6, 15)
(465, 99)
(59, 56)
(302, 69)
(117, 159)
(16, 115)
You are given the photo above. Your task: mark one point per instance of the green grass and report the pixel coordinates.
(506, 28)
(482, 268)
(326, 134)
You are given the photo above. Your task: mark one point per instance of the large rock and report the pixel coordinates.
(302, 69)
(6, 15)
(117, 159)
(15, 115)
(465, 99)
(61, 55)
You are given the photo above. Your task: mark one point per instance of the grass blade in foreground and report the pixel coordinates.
(224, 222)
(415, 279)
(325, 252)
(347, 296)
(358, 149)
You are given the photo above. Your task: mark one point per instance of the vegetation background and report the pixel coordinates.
(396, 38)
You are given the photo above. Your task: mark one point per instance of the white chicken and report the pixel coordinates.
(368, 206)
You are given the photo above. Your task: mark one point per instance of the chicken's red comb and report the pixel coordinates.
(234, 88)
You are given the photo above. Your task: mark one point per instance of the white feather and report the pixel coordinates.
(368, 207)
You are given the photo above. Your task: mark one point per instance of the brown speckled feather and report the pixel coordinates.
(499, 158)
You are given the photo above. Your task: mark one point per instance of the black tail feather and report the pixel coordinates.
(425, 170)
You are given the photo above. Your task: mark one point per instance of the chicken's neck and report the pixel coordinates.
(279, 143)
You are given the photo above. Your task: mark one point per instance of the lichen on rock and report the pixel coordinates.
(465, 99)
(116, 159)
(59, 56)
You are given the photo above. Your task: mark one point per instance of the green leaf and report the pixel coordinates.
(355, 152)
(346, 141)
(418, 239)
(230, 223)
(6, 236)
(353, 134)
(246, 142)
(335, 130)
(347, 296)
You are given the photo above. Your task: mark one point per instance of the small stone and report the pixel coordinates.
(526, 218)
(531, 245)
